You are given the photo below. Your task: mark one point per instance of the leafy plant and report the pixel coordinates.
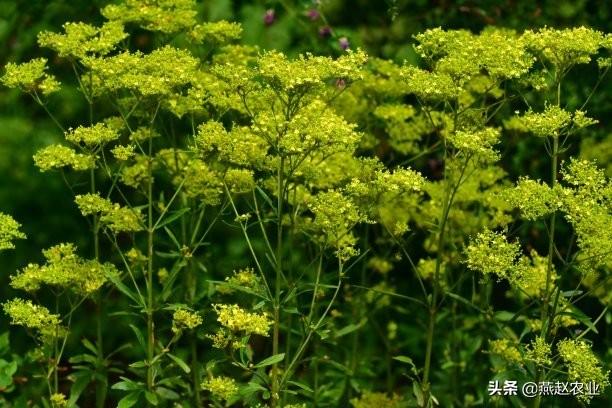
(277, 231)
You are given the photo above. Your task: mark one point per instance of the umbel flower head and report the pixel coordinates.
(549, 123)
(64, 269)
(9, 231)
(236, 319)
(582, 365)
(491, 254)
(80, 39)
(564, 48)
(534, 199)
(505, 349)
(58, 400)
(58, 156)
(92, 136)
(117, 218)
(167, 16)
(30, 77)
(216, 33)
(162, 72)
(221, 387)
(184, 319)
(539, 351)
(25, 313)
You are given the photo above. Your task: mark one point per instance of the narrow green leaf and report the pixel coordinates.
(173, 217)
(139, 336)
(116, 280)
(127, 385)
(404, 359)
(129, 400)
(180, 363)
(80, 383)
(301, 385)
(165, 393)
(152, 398)
(271, 360)
(350, 328)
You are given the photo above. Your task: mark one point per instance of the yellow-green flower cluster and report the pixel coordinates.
(380, 265)
(30, 77)
(123, 153)
(117, 218)
(216, 33)
(426, 268)
(63, 269)
(9, 231)
(201, 181)
(587, 177)
(236, 319)
(530, 274)
(185, 319)
(386, 196)
(564, 48)
(463, 55)
(244, 278)
(80, 39)
(223, 388)
(534, 199)
(143, 134)
(240, 146)
(92, 136)
(430, 86)
(582, 364)
(377, 399)
(58, 156)
(404, 126)
(587, 206)
(335, 215)
(491, 254)
(478, 143)
(539, 351)
(314, 128)
(25, 313)
(198, 179)
(239, 180)
(136, 174)
(161, 72)
(505, 349)
(308, 71)
(58, 400)
(549, 123)
(167, 16)
(580, 120)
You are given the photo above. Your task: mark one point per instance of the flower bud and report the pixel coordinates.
(269, 17)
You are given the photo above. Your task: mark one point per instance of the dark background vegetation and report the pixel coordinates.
(384, 28)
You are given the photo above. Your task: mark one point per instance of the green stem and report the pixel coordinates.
(100, 395)
(433, 306)
(277, 283)
(312, 329)
(56, 352)
(150, 230)
(547, 320)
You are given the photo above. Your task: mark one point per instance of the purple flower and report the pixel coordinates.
(313, 14)
(325, 31)
(269, 17)
(343, 42)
